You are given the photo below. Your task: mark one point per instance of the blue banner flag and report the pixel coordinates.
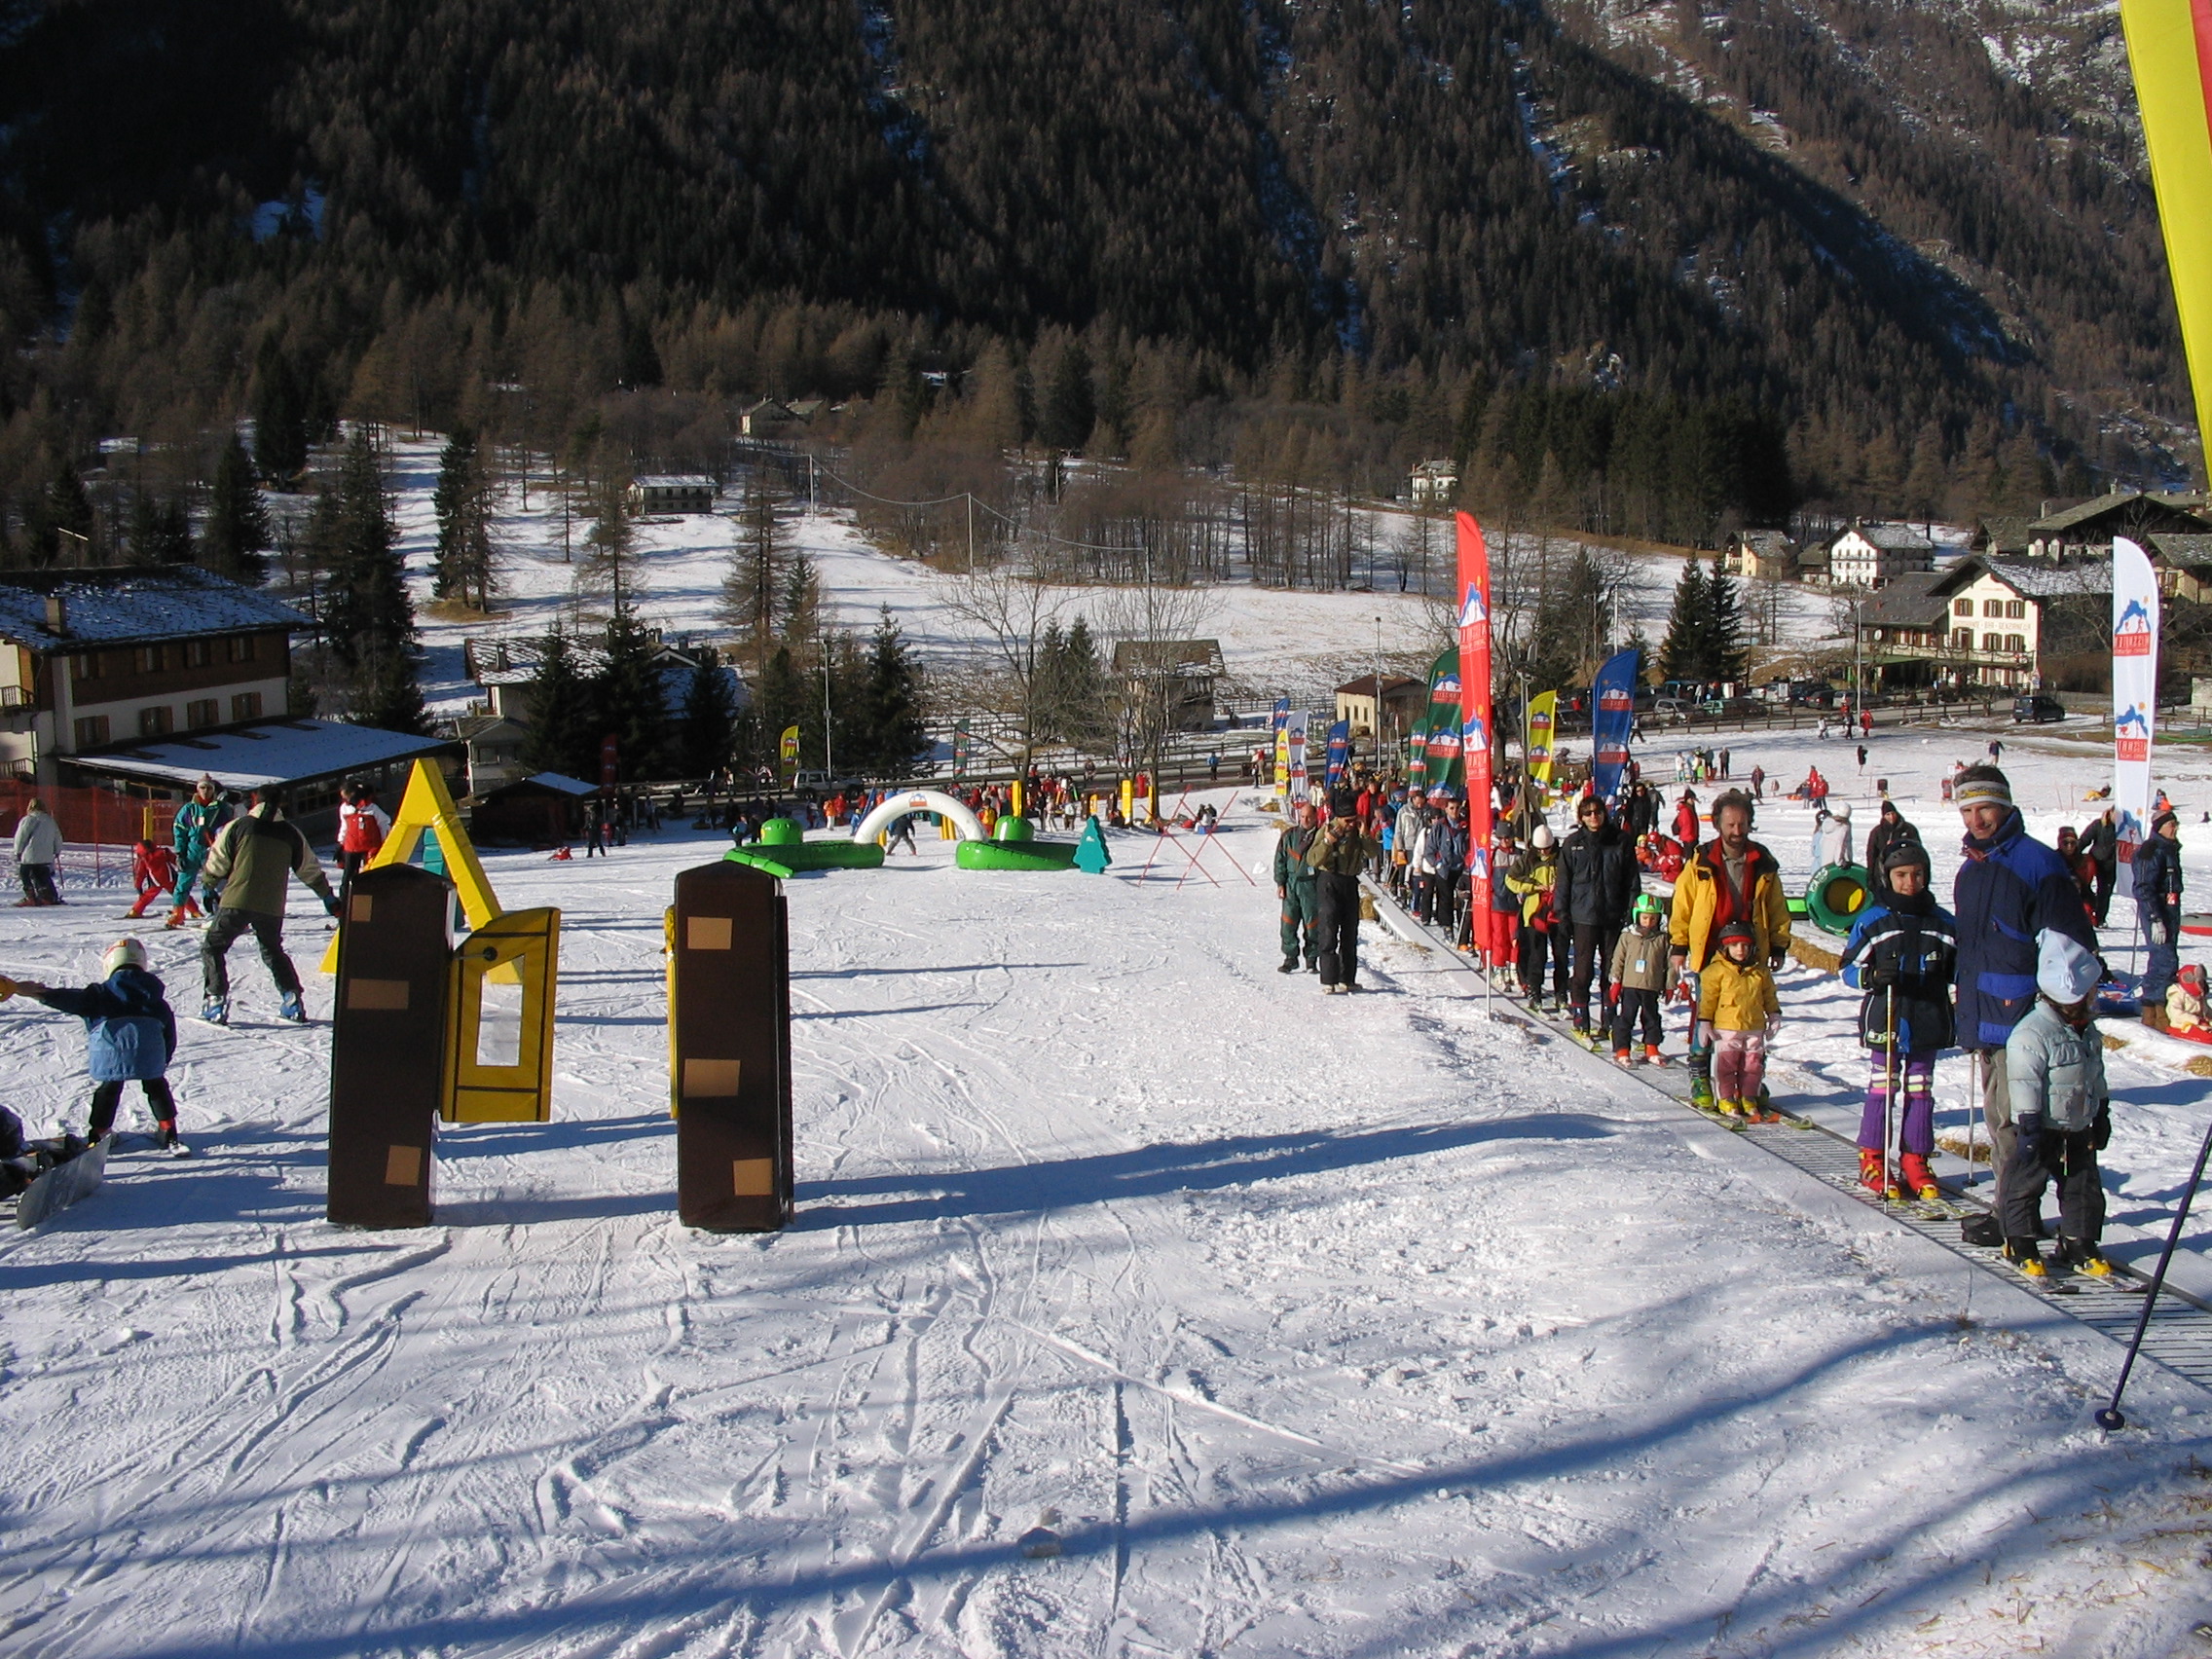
(1612, 715)
(1340, 751)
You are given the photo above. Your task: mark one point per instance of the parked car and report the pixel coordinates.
(2037, 707)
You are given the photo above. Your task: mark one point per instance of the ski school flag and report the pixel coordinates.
(1543, 717)
(787, 746)
(1475, 718)
(1282, 723)
(1416, 754)
(1612, 715)
(2134, 688)
(1294, 740)
(1340, 751)
(1443, 746)
(2169, 49)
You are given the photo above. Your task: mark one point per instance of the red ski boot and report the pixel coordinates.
(1871, 1175)
(1917, 1180)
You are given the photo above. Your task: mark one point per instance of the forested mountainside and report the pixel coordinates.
(1856, 220)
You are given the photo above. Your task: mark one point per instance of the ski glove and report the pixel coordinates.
(330, 903)
(2100, 1131)
(2029, 1128)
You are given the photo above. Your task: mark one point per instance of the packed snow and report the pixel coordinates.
(1141, 1301)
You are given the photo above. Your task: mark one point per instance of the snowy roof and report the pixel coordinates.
(271, 754)
(674, 481)
(2051, 581)
(1768, 543)
(560, 783)
(125, 607)
(2184, 552)
(1891, 538)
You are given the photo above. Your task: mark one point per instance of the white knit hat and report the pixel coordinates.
(1542, 837)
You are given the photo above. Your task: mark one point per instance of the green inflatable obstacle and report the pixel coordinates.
(1014, 847)
(782, 851)
(1836, 897)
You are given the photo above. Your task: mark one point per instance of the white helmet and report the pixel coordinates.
(123, 953)
(1542, 837)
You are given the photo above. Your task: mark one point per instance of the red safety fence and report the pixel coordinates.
(99, 826)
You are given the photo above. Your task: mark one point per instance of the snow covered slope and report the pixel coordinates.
(1348, 1326)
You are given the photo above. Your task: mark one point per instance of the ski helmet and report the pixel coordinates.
(1646, 905)
(1739, 930)
(123, 953)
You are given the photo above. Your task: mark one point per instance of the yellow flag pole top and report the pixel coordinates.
(427, 805)
(2169, 49)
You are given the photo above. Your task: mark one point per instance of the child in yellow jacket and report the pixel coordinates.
(1737, 1000)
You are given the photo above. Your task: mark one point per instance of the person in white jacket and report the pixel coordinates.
(38, 844)
(1831, 841)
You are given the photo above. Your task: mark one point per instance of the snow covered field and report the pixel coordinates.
(1351, 1326)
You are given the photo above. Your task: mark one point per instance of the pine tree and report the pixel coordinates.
(161, 532)
(607, 550)
(1070, 408)
(798, 611)
(237, 532)
(58, 521)
(890, 735)
(708, 729)
(1688, 648)
(463, 506)
(279, 415)
(563, 728)
(629, 698)
(368, 620)
(783, 698)
(754, 586)
(1727, 655)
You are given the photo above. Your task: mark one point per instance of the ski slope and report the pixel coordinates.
(1346, 1326)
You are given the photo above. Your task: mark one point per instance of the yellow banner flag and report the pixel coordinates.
(1543, 717)
(2169, 48)
(787, 746)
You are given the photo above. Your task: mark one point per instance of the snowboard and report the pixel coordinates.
(62, 1186)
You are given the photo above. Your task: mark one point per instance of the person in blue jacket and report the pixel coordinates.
(2157, 905)
(2010, 888)
(1901, 954)
(129, 1035)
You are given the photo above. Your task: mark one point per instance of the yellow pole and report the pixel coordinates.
(1129, 800)
(1017, 797)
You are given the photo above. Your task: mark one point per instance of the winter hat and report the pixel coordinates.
(1542, 837)
(2065, 973)
(1979, 784)
(123, 953)
(1906, 853)
(2159, 819)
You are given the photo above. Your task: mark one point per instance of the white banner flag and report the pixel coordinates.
(2134, 687)
(1295, 728)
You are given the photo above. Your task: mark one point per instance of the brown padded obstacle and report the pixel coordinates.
(730, 1049)
(387, 1046)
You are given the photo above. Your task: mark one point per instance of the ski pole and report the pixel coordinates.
(1889, 1099)
(2109, 1418)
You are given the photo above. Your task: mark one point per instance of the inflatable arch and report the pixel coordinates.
(892, 808)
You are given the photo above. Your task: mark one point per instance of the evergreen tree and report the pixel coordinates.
(798, 613)
(1688, 648)
(628, 697)
(58, 521)
(563, 728)
(237, 532)
(888, 735)
(607, 549)
(1727, 654)
(463, 506)
(161, 532)
(756, 586)
(783, 698)
(1070, 407)
(368, 620)
(707, 732)
(279, 415)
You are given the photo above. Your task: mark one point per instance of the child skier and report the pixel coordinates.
(1737, 1000)
(153, 871)
(129, 1035)
(2054, 1068)
(1643, 974)
(1902, 953)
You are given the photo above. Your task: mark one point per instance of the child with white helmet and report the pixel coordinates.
(2054, 1069)
(130, 1034)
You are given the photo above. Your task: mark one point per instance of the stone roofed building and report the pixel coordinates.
(1873, 555)
(2002, 538)
(93, 658)
(1762, 555)
(2085, 530)
(674, 492)
(2184, 564)
(1980, 621)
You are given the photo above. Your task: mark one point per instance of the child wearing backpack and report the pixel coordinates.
(1902, 953)
(129, 1035)
(1738, 1001)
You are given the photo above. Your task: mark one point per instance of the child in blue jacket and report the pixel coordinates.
(129, 1035)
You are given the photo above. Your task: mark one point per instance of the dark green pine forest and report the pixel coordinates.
(1181, 231)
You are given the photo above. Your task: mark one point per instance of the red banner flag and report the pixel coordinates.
(1475, 722)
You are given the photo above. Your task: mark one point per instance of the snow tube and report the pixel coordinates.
(1835, 896)
(782, 851)
(1014, 847)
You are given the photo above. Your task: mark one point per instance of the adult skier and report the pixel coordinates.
(193, 832)
(252, 858)
(2158, 906)
(1337, 855)
(1295, 887)
(1831, 841)
(2010, 888)
(2102, 844)
(361, 828)
(1730, 879)
(1597, 881)
(38, 844)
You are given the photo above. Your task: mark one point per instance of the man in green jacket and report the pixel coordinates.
(1338, 853)
(1295, 887)
(252, 862)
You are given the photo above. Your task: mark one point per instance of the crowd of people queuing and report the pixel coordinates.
(2010, 974)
